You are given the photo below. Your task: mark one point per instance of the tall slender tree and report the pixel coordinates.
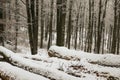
(99, 29)
(50, 28)
(16, 24)
(103, 25)
(114, 35)
(69, 28)
(61, 14)
(90, 28)
(32, 19)
(42, 24)
(77, 26)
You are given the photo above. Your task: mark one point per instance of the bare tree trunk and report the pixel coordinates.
(109, 39)
(16, 25)
(69, 25)
(42, 24)
(103, 26)
(61, 14)
(77, 26)
(114, 36)
(33, 16)
(118, 31)
(90, 29)
(99, 28)
(1, 34)
(2, 27)
(29, 24)
(36, 25)
(32, 19)
(50, 29)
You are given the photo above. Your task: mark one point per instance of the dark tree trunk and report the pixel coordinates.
(16, 25)
(69, 31)
(118, 31)
(33, 26)
(109, 39)
(42, 24)
(32, 19)
(114, 36)
(99, 29)
(50, 29)
(61, 14)
(90, 28)
(29, 24)
(103, 26)
(1, 34)
(36, 25)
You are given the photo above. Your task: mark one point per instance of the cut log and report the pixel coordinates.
(9, 72)
(48, 72)
(101, 59)
(76, 68)
(55, 74)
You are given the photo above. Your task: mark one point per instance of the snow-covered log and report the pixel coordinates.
(102, 59)
(9, 72)
(48, 72)
(77, 68)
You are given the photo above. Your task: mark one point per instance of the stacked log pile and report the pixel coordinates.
(32, 64)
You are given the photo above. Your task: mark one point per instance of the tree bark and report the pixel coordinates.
(114, 35)
(50, 28)
(69, 28)
(99, 29)
(61, 14)
(32, 20)
(29, 20)
(16, 25)
(42, 24)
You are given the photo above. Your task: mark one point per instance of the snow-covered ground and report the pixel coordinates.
(43, 67)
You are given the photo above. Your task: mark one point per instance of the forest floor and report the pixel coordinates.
(58, 63)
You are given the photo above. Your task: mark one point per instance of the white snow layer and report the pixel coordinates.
(109, 59)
